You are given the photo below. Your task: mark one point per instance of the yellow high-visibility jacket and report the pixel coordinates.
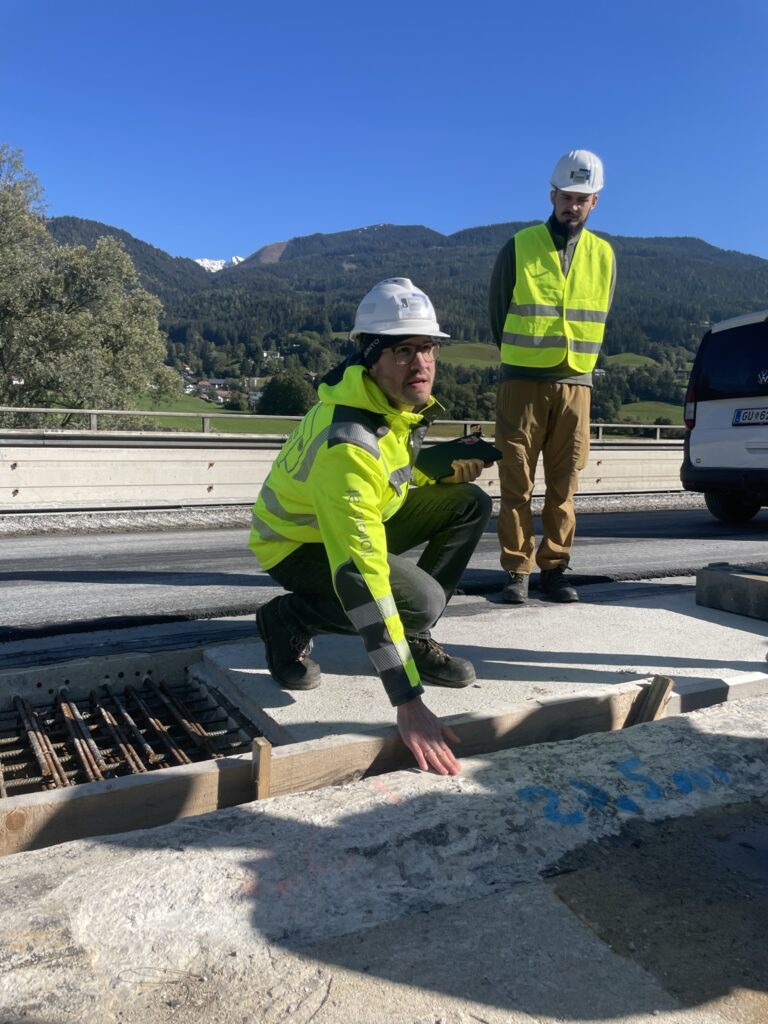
(552, 316)
(340, 476)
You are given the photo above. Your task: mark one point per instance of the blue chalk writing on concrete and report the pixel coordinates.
(551, 809)
(627, 768)
(687, 781)
(595, 798)
(626, 803)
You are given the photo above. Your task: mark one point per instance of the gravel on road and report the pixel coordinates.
(215, 517)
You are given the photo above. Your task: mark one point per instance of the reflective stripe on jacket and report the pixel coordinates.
(339, 477)
(552, 316)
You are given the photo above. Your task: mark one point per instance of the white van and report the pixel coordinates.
(726, 413)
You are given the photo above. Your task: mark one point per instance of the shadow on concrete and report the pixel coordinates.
(437, 892)
(680, 599)
(138, 577)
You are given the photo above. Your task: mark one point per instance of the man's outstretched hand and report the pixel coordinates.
(426, 738)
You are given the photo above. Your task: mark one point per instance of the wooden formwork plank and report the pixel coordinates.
(652, 702)
(333, 761)
(121, 805)
(156, 798)
(262, 767)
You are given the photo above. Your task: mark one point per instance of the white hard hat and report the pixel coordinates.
(578, 171)
(396, 306)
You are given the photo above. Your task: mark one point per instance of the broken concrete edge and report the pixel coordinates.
(157, 798)
(285, 873)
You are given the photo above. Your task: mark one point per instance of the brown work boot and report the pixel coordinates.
(436, 667)
(516, 588)
(552, 584)
(286, 651)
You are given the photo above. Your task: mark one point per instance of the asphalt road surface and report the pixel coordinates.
(54, 584)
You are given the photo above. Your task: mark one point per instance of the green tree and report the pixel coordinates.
(76, 330)
(287, 394)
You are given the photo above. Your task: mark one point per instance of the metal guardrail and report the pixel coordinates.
(650, 431)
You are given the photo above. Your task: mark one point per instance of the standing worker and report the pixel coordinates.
(551, 289)
(336, 515)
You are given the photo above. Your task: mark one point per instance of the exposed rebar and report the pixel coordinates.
(118, 736)
(161, 731)
(125, 716)
(90, 767)
(46, 756)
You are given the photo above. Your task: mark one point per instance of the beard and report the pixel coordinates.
(569, 225)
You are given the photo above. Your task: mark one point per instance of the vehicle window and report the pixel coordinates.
(733, 364)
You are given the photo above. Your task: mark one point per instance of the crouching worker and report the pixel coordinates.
(336, 516)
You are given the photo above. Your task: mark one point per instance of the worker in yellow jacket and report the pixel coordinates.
(551, 289)
(339, 510)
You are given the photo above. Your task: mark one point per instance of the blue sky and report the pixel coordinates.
(211, 129)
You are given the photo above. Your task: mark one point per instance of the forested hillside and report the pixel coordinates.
(292, 298)
(160, 273)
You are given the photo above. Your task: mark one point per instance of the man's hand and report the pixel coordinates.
(464, 471)
(427, 740)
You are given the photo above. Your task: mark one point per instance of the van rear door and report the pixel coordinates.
(730, 388)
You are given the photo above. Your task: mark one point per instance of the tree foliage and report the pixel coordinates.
(287, 394)
(76, 330)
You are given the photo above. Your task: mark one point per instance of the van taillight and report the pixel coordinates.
(689, 413)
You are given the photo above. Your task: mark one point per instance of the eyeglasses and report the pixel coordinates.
(405, 354)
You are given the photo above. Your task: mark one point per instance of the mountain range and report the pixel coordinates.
(668, 288)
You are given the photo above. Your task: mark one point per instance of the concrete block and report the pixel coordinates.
(733, 589)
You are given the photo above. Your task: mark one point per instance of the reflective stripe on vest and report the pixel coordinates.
(551, 316)
(272, 505)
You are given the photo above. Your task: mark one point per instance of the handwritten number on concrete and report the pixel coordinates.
(598, 799)
(627, 769)
(551, 809)
(687, 781)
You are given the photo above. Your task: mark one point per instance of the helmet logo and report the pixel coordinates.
(762, 377)
(582, 175)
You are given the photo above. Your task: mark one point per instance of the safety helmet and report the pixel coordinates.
(578, 171)
(396, 306)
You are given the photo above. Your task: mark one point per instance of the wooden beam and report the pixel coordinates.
(143, 801)
(262, 767)
(652, 702)
(37, 820)
(333, 761)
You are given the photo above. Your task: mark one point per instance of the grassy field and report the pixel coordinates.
(237, 423)
(630, 359)
(230, 423)
(647, 412)
(469, 353)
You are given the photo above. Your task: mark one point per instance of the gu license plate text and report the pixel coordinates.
(742, 417)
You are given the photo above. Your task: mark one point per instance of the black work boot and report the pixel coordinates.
(438, 668)
(286, 651)
(516, 588)
(552, 584)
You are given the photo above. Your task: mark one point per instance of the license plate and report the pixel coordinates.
(751, 417)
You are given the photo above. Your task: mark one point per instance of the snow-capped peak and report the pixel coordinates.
(214, 266)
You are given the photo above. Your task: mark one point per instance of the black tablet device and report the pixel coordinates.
(436, 460)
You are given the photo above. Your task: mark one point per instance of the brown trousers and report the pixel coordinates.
(536, 417)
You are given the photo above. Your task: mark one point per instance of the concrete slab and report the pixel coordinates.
(408, 898)
(733, 588)
(620, 633)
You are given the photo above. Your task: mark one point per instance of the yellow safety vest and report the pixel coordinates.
(343, 472)
(552, 317)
